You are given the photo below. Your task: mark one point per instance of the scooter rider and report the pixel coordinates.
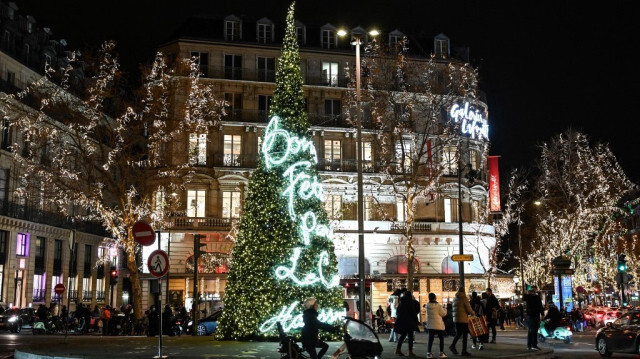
(311, 328)
(553, 319)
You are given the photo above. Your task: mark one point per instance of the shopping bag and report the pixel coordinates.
(478, 326)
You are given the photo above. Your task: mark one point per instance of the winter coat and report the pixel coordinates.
(534, 305)
(492, 304)
(461, 308)
(435, 313)
(406, 320)
(312, 326)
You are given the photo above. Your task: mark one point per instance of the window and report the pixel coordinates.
(264, 105)
(86, 289)
(231, 204)
(332, 108)
(4, 239)
(450, 209)
(27, 52)
(476, 210)
(4, 182)
(233, 104)
(39, 255)
(39, 282)
(57, 257)
(159, 200)
(265, 33)
(23, 244)
(266, 69)
(441, 46)
(399, 265)
(202, 60)
(301, 35)
(333, 206)
(100, 289)
(450, 159)
(198, 149)
(328, 39)
(56, 279)
(332, 154)
(367, 156)
(404, 152)
(6, 134)
(233, 67)
(72, 287)
(232, 30)
(330, 73)
(368, 208)
(87, 260)
(232, 145)
(195, 202)
(474, 160)
(401, 209)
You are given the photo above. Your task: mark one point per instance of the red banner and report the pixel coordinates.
(494, 184)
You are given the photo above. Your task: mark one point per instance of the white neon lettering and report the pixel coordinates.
(473, 121)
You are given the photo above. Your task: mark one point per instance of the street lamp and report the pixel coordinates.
(361, 281)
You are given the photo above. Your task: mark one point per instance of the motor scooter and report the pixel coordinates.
(43, 325)
(562, 332)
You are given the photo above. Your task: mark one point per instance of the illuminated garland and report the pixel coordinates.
(289, 321)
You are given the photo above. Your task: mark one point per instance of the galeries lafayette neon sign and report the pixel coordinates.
(471, 119)
(299, 184)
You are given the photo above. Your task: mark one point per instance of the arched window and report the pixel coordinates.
(212, 262)
(398, 265)
(349, 266)
(451, 267)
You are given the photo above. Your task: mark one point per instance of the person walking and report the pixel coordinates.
(461, 312)
(380, 316)
(406, 322)
(492, 309)
(394, 301)
(502, 315)
(534, 312)
(478, 307)
(311, 329)
(435, 324)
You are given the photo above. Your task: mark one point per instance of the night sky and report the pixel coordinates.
(544, 65)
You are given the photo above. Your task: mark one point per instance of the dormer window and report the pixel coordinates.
(361, 33)
(232, 28)
(441, 46)
(395, 38)
(301, 32)
(328, 38)
(264, 31)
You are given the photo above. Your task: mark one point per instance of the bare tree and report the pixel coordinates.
(107, 159)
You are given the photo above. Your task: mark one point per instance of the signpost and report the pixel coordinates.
(462, 257)
(158, 265)
(59, 288)
(143, 233)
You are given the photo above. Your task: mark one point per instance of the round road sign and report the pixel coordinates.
(143, 233)
(158, 263)
(59, 288)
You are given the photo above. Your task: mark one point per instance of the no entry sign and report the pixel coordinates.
(59, 288)
(143, 233)
(158, 263)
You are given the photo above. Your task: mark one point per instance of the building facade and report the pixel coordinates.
(238, 59)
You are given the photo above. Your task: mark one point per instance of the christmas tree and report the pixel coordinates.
(284, 251)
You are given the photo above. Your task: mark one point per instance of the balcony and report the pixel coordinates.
(73, 295)
(100, 296)
(234, 160)
(268, 75)
(202, 223)
(87, 295)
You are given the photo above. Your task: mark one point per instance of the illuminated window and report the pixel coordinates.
(367, 156)
(330, 73)
(231, 204)
(368, 208)
(333, 206)
(474, 160)
(196, 202)
(401, 209)
(403, 155)
(441, 46)
(198, 149)
(159, 200)
(332, 154)
(232, 146)
(54, 281)
(450, 209)
(87, 294)
(22, 248)
(450, 159)
(39, 282)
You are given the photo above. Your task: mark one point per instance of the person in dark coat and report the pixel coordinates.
(491, 311)
(553, 318)
(534, 312)
(406, 321)
(311, 329)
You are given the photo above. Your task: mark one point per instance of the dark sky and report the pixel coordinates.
(544, 65)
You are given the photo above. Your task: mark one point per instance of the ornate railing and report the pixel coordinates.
(202, 222)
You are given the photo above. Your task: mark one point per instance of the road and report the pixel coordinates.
(582, 346)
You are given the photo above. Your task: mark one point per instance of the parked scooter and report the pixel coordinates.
(43, 325)
(562, 332)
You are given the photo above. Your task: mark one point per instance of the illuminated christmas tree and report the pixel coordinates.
(284, 251)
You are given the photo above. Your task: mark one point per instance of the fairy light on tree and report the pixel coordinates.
(284, 249)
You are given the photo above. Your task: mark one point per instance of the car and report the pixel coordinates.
(208, 325)
(28, 316)
(622, 335)
(611, 316)
(10, 320)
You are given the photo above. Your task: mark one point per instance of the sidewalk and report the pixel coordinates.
(205, 347)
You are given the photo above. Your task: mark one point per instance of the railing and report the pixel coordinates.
(73, 295)
(233, 160)
(100, 296)
(55, 297)
(202, 222)
(416, 226)
(38, 295)
(87, 296)
(268, 75)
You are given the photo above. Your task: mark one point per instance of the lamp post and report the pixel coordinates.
(537, 203)
(361, 278)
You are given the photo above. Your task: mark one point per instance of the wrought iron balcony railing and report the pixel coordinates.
(211, 223)
(100, 296)
(38, 295)
(87, 295)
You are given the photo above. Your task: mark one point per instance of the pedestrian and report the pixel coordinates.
(311, 329)
(534, 312)
(380, 316)
(521, 310)
(502, 314)
(96, 312)
(478, 307)
(106, 318)
(449, 325)
(461, 312)
(55, 312)
(517, 316)
(435, 324)
(492, 308)
(406, 322)
(394, 301)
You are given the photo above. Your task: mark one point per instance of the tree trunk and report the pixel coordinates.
(136, 288)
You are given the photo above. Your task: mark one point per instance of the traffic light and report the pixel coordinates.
(622, 263)
(197, 252)
(113, 273)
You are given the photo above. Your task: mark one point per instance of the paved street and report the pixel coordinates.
(511, 343)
